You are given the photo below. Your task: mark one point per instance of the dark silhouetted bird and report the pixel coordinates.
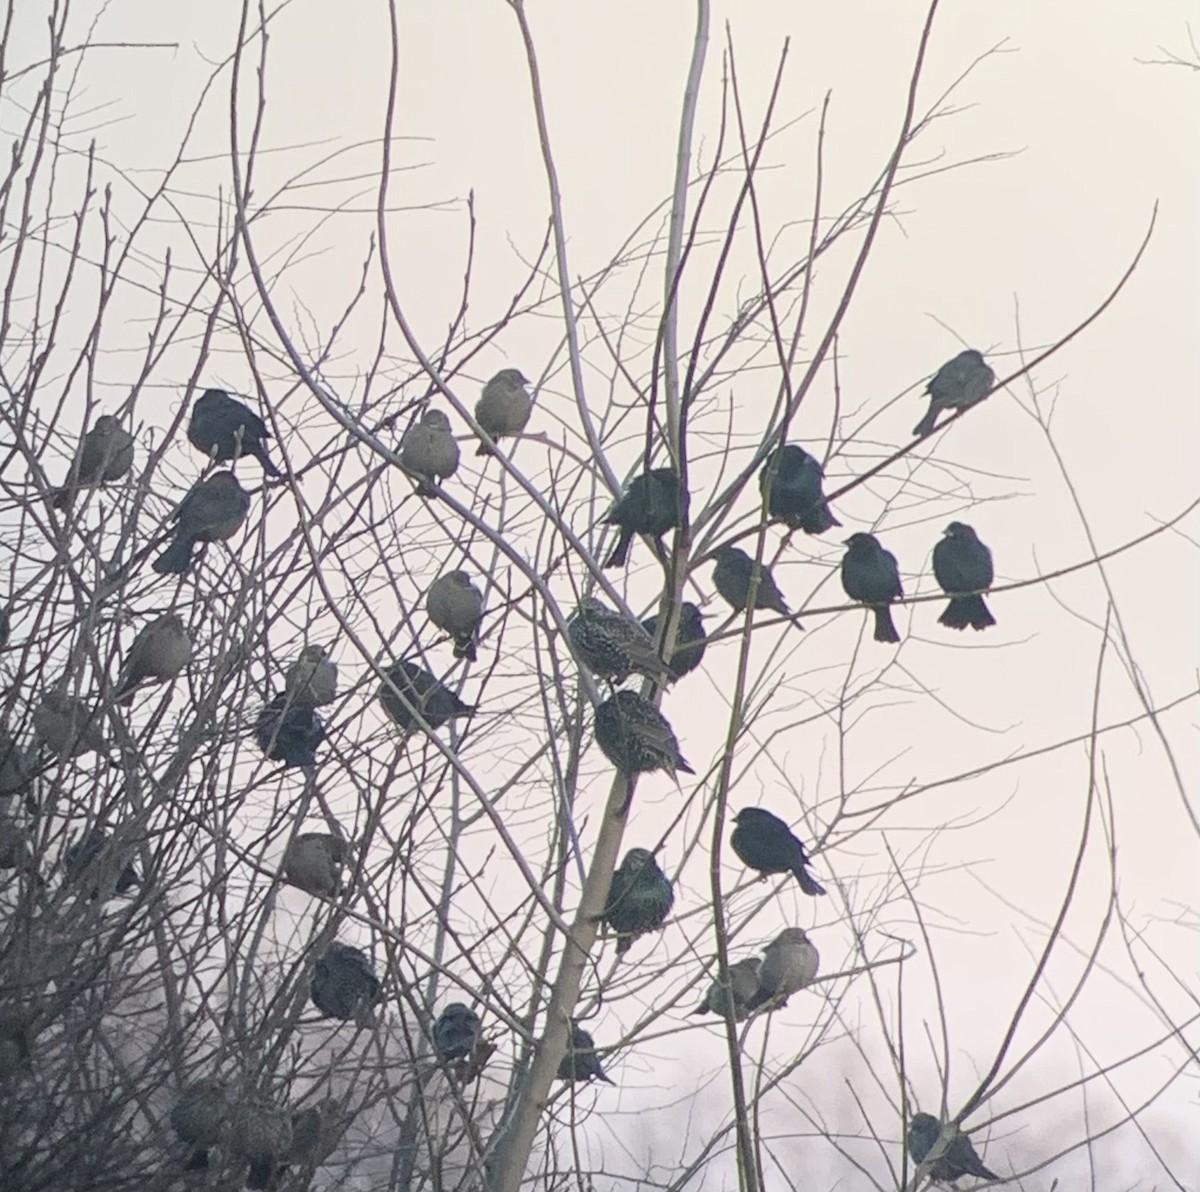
(796, 494)
(731, 577)
(963, 568)
(16, 848)
(5, 627)
(344, 984)
(66, 726)
(504, 406)
(312, 679)
(199, 1117)
(651, 505)
(17, 768)
(957, 1160)
(635, 736)
(313, 862)
(289, 734)
(225, 429)
(160, 651)
(420, 690)
(743, 984)
(455, 1033)
(213, 511)
(105, 454)
(91, 861)
(870, 575)
(789, 963)
(429, 451)
(455, 606)
(580, 1061)
(959, 383)
(639, 899)
(612, 646)
(17, 1037)
(260, 1135)
(764, 842)
(690, 642)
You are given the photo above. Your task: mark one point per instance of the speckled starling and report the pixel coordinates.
(959, 1157)
(580, 1061)
(870, 575)
(313, 863)
(455, 606)
(420, 690)
(344, 984)
(312, 679)
(650, 505)
(429, 451)
(105, 454)
(690, 642)
(959, 383)
(160, 651)
(289, 734)
(743, 984)
(764, 842)
(613, 647)
(455, 1032)
(731, 578)
(66, 726)
(93, 862)
(504, 406)
(213, 511)
(796, 492)
(199, 1117)
(635, 736)
(790, 962)
(639, 899)
(225, 429)
(260, 1135)
(963, 568)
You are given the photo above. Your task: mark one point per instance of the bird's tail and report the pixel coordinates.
(464, 647)
(607, 1079)
(176, 559)
(702, 1008)
(925, 426)
(259, 451)
(818, 519)
(808, 883)
(484, 449)
(620, 552)
(885, 627)
(967, 610)
(61, 498)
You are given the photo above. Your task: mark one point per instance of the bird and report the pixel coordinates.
(789, 963)
(690, 640)
(260, 1135)
(639, 899)
(225, 429)
(160, 651)
(289, 734)
(311, 680)
(580, 1061)
(199, 1117)
(213, 511)
(612, 646)
(635, 736)
(17, 767)
(743, 984)
(962, 566)
(16, 848)
(764, 842)
(17, 1037)
(418, 692)
(651, 504)
(871, 576)
(959, 383)
(5, 627)
(959, 1157)
(731, 578)
(429, 451)
(455, 1032)
(91, 860)
(312, 862)
(104, 455)
(795, 492)
(65, 726)
(316, 1130)
(455, 606)
(504, 406)
(344, 984)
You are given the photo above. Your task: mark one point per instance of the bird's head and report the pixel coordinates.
(435, 419)
(959, 530)
(511, 376)
(639, 858)
(861, 541)
(792, 936)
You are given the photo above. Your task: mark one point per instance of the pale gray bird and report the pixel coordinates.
(312, 679)
(313, 863)
(429, 451)
(789, 963)
(159, 652)
(66, 726)
(105, 454)
(612, 646)
(959, 1157)
(455, 606)
(743, 984)
(260, 1135)
(199, 1117)
(504, 406)
(213, 511)
(959, 383)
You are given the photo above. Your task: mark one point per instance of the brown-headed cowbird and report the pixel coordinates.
(288, 733)
(504, 406)
(613, 647)
(455, 1032)
(635, 736)
(743, 984)
(312, 679)
(313, 863)
(959, 1157)
(105, 454)
(344, 984)
(789, 963)
(652, 504)
(639, 899)
(429, 451)
(225, 429)
(260, 1135)
(731, 578)
(199, 1117)
(159, 652)
(213, 511)
(764, 842)
(93, 862)
(455, 606)
(959, 383)
(962, 566)
(65, 726)
(871, 575)
(795, 494)
(580, 1061)
(690, 642)
(409, 689)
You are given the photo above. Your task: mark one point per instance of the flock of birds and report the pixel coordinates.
(629, 729)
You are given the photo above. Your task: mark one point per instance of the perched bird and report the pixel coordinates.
(639, 899)
(743, 984)
(91, 860)
(690, 642)
(635, 736)
(260, 1135)
(959, 383)
(199, 1117)
(160, 651)
(503, 407)
(65, 726)
(289, 734)
(5, 627)
(789, 963)
(105, 454)
(344, 984)
(213, 511)
(17, 768)
(764, 842)
(613, 647)
(652, 504)
(731, 577)
(418, 692)
(225, 429)
(963, 568)
(312, 679)
(957, 1160)
(795, 494)
(316, 1130)
(17, 1037)
(313, 862)
(870, 575)
(580, 1061)
(455, 1033)
(429, 451)
(16, 848)
(455, 606)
